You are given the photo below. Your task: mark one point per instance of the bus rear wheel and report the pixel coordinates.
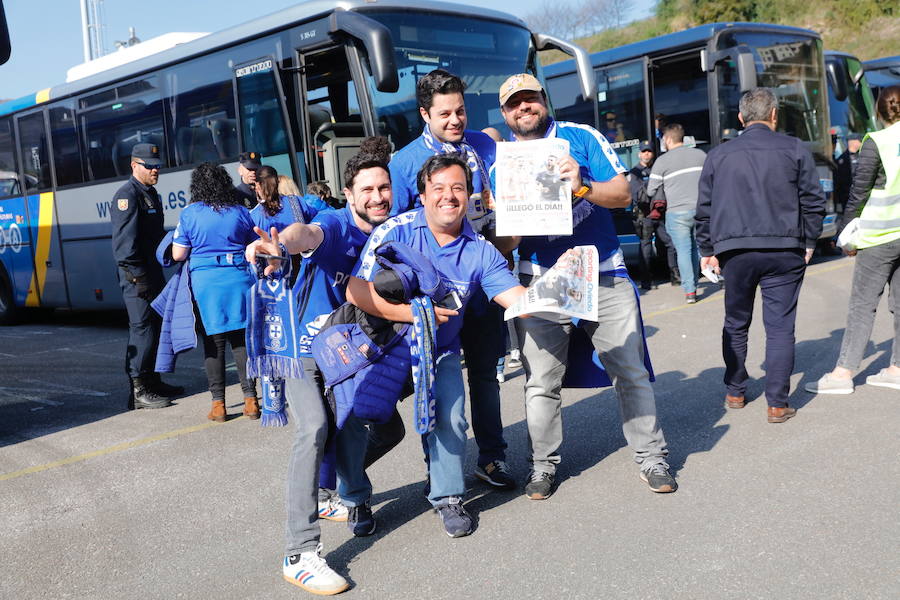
(9, 312)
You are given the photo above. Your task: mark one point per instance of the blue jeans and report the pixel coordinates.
(354, 486)
(680, 226)
(447, 443)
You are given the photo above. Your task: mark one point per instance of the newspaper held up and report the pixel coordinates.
(531, 198)
(568, 289)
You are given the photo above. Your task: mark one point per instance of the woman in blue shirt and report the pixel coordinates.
(276, 210)
(212, 233)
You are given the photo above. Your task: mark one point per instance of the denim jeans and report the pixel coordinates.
(483, 339)
(354, 486)
(447, 443)
(875, 267)
(779, 275)
(307, 408)
(680, 226)
(617, 338)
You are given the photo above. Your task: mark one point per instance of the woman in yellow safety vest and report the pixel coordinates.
(875, 199)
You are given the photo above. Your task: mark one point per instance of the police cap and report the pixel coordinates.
(147, 153)
(645, 145)
(250, 160)
(854, 137)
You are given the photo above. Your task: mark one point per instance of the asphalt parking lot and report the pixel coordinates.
(99, 502)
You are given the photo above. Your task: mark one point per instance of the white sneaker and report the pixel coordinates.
(500, 377)
(830, 385)
(332, 508)
(309, 571)
(515, 360)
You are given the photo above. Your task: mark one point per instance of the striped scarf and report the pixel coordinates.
(421, 348)
(476, 209)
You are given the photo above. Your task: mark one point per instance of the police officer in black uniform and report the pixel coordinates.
(137, 229)
(250, 162)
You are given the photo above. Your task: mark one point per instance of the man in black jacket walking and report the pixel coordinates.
(759, 214)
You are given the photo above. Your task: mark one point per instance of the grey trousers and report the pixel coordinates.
(875, 267)
(301, 501)
(617, 338)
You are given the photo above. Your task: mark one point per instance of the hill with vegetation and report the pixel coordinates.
(865, 28)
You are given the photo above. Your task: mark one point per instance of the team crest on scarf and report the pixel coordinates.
(275, 338)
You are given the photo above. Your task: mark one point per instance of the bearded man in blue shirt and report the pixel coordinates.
(598, 184)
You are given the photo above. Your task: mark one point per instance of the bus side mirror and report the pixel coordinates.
(5, 47)
(586, 76)
(746, 68)
(376, 38)
(836, 71)
(744, 63)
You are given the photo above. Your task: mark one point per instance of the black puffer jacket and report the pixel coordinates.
(869, 174)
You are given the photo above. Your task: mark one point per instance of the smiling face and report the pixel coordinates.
(526, 114)
(446, 199)
(370, 197)
(447, 117)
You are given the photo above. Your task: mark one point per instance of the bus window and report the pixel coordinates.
(569, 104)
(262, 119)
(9, 170)
(33, 148)
(483, 53)
(113, 125)
(203, 115)
(680, 92)
(623, 110)
(66, 156)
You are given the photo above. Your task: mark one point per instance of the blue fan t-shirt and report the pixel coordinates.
(407, 162)
(467, 264)
(209, 232)
(307, 206)
(322, 282)
(598, 161)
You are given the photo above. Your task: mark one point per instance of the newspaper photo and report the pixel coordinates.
(531, 199)
(568, 289)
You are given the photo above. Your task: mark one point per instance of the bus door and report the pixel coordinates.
(332, 122)
(39, 240)
(680, 89)
(262, 115)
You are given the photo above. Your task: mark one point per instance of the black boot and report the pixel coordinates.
(675, 277)
(161, 388)
(144, 397)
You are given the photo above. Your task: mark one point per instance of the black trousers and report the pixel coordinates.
(778, 274)
(214, 361)
(143, 331)
(646, 229)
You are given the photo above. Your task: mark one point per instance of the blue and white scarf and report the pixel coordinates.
(272, 326)
(476, 209)
(421, 349)
(274, 413)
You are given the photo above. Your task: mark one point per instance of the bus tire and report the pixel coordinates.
(9, 312)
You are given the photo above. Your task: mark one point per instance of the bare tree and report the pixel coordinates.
(579, 18)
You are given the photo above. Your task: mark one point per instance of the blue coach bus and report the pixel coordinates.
(696, 78)
(851, 105)
(302, 87)
(882, 72)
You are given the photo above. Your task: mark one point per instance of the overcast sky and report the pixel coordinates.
(46, 34)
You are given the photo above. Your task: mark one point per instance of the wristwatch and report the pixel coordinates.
(584, 190)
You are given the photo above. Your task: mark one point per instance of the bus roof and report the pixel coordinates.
(670, 41)
(839, 53)
(882, 63)
(260, 27)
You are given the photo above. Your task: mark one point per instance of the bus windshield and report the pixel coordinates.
(791, 65)
(483, 53)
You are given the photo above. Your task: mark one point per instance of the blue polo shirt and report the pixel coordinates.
(322, 282)
(598, 162)
(407, 162)
(209, 232)
(308, 206)
(468, 264)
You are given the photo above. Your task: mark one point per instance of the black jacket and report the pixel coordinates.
(137, 229)
(759, 191)
(869, 174)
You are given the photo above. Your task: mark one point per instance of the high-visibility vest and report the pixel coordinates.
(879, 222)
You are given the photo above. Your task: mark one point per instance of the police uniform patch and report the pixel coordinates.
(122, 203)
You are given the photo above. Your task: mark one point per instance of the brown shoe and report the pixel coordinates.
(251, 407)
(217, 412)
(734, 401)
(780, 414)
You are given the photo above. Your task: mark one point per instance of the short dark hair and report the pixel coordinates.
(438, 81)
(439, 162)
(373, 152)
(212, 185)
(675, 132)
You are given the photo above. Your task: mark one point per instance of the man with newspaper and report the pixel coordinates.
(616, 332)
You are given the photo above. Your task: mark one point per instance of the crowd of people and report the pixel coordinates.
(751, 210)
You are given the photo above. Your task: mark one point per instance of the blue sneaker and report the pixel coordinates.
(360, 520)
(457, 522)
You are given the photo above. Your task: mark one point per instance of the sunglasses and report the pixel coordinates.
(150, 168)
(610, 119)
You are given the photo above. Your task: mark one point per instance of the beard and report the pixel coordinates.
(538, 130)
(373, 221)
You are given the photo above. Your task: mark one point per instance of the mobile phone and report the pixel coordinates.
(271, 256)
(451, 301)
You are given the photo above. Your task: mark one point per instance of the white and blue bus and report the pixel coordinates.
(696, 78)
(302, 87)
